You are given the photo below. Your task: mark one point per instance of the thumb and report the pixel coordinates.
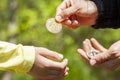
(64, 14)
(99, 59)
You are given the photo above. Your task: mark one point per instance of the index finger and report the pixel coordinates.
(97, 45)
(65, 4)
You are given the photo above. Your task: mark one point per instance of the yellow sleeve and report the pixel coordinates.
(16, 58)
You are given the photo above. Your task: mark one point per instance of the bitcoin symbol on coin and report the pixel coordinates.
(52, 26)
(92, 53)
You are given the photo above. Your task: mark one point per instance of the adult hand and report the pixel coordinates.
(75, 13)
(108, 59)
(46, 68)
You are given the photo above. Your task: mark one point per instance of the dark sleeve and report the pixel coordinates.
(109, 13)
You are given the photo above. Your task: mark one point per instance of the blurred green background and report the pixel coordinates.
(23, 21)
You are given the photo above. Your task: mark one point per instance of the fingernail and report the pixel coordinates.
(60, 56)
(59, 18)
(65, 60)
(92, 62)
(66, 73)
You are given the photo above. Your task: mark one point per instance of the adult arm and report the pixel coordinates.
(109, 14)
(99, 13)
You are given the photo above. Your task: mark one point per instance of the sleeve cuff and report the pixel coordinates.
(100, 7)
(16, 58)
(29, 58)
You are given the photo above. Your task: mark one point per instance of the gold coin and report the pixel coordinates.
(92, 53)
(52, 26)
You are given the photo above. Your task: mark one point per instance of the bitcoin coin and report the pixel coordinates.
(92, 53)
(52, 26)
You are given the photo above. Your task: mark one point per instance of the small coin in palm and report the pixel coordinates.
(92, 53)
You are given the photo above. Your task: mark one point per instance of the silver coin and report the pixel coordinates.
(92, 53)
(52, 26)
